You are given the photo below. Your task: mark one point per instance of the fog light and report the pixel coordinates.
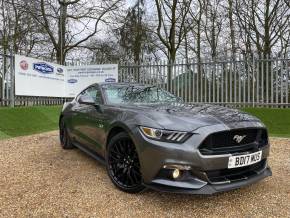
(176, 173)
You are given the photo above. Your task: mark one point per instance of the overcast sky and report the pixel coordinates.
(131, 2)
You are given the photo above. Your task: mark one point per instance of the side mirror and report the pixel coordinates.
(88, 100)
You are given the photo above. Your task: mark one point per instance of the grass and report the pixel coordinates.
(31, 120)
(28, 120)
(276, 120)
(3, 135)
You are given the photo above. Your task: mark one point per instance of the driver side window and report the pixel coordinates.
(94, 93)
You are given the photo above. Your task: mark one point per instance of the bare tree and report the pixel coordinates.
(265, 22)
(19, 28)
(213, 25)
(172, 28)
(196, 27)
(106, 51)
(134, 35)
(55, 29)
(70, 23)
(232, 27)
(285, 43)
(12, 34)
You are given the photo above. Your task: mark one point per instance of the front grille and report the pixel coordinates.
(225, 143)
(232, 175)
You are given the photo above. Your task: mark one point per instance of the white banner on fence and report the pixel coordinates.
(79, 77)
(40, 78)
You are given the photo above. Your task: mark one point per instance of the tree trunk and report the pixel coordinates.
(60, 55)
(232, 29)
(172, 57)
(267, 38)
(5, 50)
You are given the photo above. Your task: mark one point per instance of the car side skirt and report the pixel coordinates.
(90, 153)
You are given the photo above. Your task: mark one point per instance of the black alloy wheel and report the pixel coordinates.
(123, 164)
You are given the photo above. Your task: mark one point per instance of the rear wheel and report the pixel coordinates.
(123, 164)
(65, 140)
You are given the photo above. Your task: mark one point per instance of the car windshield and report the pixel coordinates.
(138, 95)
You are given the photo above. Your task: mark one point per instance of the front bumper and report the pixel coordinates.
(154, 155)
(206, 188)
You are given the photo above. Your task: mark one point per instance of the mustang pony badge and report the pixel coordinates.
(239, 138)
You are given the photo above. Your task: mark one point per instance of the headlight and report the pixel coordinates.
(165, 135)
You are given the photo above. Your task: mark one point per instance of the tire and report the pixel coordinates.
(123, 165)
(64, 137)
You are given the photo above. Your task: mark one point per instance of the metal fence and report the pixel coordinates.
(240, 82)
(6, 68)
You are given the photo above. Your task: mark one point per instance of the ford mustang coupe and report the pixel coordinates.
(149, 138)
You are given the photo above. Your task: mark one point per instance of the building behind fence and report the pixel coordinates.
(239, 82)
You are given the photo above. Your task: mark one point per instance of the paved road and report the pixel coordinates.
(38, 178)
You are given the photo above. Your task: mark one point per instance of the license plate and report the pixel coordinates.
(244, 160)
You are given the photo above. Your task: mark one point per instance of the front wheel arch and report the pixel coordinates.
(116, 128)
(114, 131)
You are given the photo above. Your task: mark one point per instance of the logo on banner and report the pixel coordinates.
(59, 72)
(72, 81)
(43, 68)
(23, 65)
(110, 80)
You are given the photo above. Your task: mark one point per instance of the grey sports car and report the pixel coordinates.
(149, 138)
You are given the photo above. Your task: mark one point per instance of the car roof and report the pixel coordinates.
(120, 84)
(103, 84)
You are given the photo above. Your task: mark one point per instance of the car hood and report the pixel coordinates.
(189, 117)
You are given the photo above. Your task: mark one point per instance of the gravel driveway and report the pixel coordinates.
(38, 178)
